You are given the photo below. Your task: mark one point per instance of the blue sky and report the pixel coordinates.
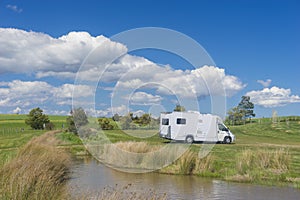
(255, 43)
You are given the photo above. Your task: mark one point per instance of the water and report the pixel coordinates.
(89, 175)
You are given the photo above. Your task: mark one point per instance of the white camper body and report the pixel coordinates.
(192, 126)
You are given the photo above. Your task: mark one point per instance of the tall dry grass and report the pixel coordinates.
(136, 156)
(262, 165)
(277, 160)
(39, 171)
(189, 163)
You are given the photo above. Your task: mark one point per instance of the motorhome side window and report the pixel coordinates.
(181, 121)
(165, 121)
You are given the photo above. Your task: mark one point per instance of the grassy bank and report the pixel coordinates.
(38, 171)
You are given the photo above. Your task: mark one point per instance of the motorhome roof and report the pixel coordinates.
(189, 111)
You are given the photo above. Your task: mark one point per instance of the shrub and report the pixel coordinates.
(50, 126)
(36, 119)
(105, 124)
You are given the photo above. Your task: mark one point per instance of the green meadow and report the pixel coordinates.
(14, 133)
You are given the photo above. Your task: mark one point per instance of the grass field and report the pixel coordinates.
(14, 133)
(264, 152)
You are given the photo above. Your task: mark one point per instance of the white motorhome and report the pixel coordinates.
(191, 126)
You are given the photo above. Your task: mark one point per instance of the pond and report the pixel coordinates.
(90, 176)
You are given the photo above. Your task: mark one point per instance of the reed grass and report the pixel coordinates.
(39, 171)
(277, 161)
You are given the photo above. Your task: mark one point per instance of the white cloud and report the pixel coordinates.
(38, 53)
(24, 93)
(4, 101)
(138, 113)
(56, 112)
(143, 98)
(14, 8)
(203, 81)
(31, 52)
(121, 110)
(273, 97)
(17, 110)
(266, 83)
(45, 56)
(66, 91)
(29, 93)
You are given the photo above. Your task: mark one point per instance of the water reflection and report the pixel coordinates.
(89, 175)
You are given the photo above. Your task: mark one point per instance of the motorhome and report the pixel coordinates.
(191, 126)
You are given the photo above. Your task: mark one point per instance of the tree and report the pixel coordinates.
(247, 107)
(126, 122)
(78, 118)
(71, 124)
(144, 119)
(49, 126)
(179, 108)
(235, 116)
(105, 124)
(36, 119)
(242, 112)
(116, 117)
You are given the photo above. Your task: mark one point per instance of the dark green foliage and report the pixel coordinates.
(78, 118)
(50, 126)
(144, 120)
(179, 108)
(239, 114)
(71, 124)
(235, 116)
(246, 107)
(105, 124)
(116, 117)
(36, 119)
(126, 122)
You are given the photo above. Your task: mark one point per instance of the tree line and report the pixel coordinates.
(240, 114)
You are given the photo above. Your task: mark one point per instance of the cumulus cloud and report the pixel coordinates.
(266, 83)
(29, 93)
(38, 53)
(143, 98)
(66, 91)
(273, 97)
(203, 81)
(32, 52)
(14, 8)
(121, 110)
(45, 56)
(17, 110)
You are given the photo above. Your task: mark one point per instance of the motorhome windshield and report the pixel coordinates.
(222, 127)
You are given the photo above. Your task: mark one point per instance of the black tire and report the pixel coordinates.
(189, 139)
(227, 140)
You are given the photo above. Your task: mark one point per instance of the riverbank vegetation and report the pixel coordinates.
(38, 171)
